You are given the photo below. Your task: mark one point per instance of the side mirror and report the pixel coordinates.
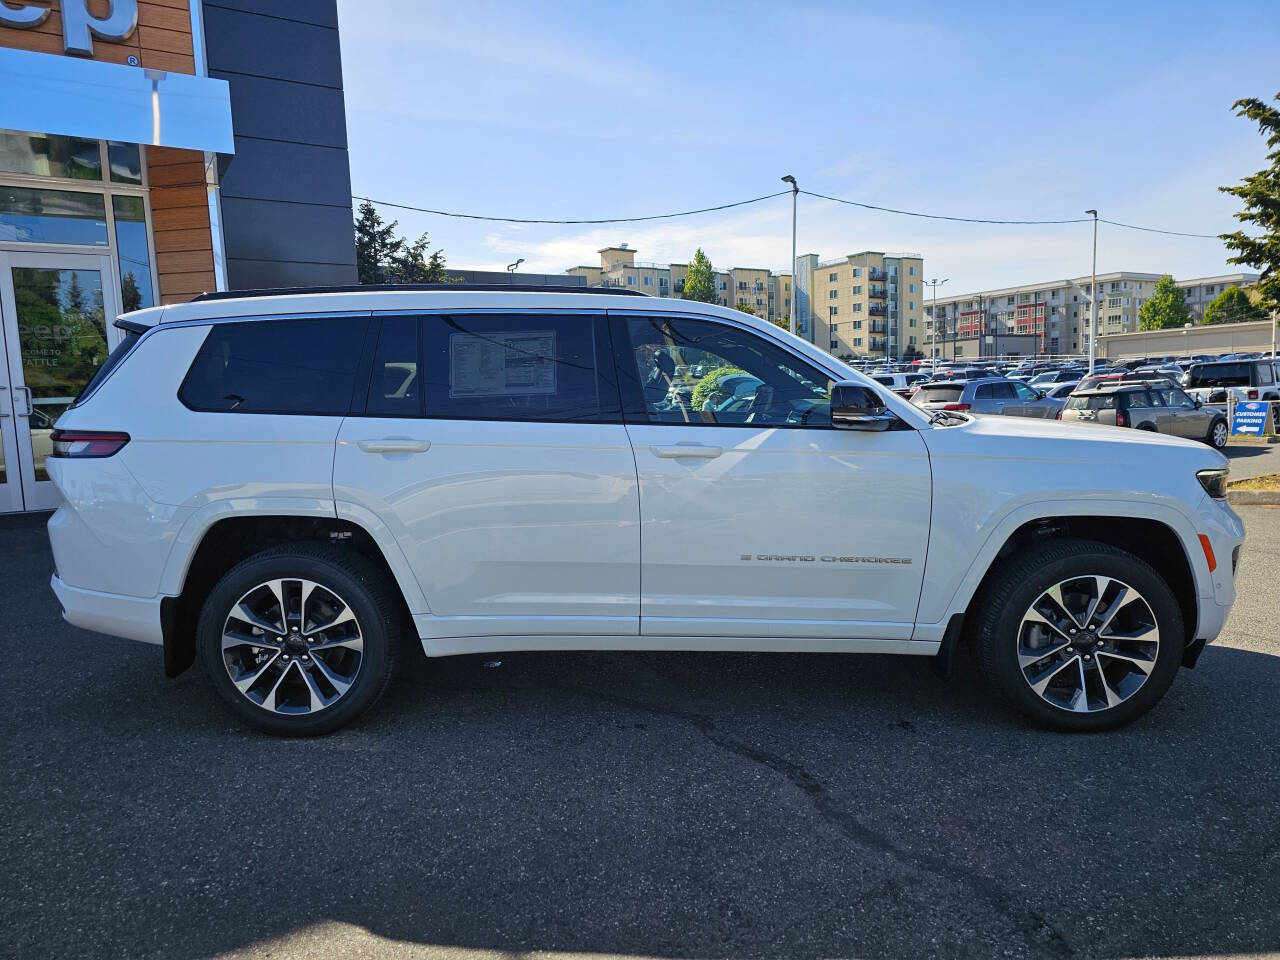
(855, 407)
(1199, 403)
(1041, 394)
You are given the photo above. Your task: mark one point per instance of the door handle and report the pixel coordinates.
(394, 445)
(3, 405)
(27, 393)
(679, 450)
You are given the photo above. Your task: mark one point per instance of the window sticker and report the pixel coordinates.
(502, 364)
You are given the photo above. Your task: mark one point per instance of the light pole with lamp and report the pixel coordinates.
(795, 190)
(1093, 296)
(936, 283)
(511, 267)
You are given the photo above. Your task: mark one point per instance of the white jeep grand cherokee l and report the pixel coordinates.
(287, 486)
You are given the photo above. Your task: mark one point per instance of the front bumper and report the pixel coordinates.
(135, 618)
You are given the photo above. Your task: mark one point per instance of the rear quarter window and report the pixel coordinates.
(296, 366)
(1097, 401)
(1220, 375)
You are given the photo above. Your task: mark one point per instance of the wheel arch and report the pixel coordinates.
(230, 539)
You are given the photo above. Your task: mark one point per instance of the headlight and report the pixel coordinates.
(1214, 482)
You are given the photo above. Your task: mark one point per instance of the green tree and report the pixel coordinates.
(746, 308)
(700, 281)
(377, 245)
(1232, 305)
(130, 295)
(413, 264)
(1166, 308)
(1261, 195)
(708, 387)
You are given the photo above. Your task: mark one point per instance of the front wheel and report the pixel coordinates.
(1079, 636)
(1218, 434)
(299, 640)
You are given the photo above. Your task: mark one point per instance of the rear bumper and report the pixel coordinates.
(135, 618)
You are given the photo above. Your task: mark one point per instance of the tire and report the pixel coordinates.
(1219, 433)
(320, 680)
(1148, 427)
(1134, 672)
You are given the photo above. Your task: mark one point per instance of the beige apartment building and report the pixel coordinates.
(758, 289)
(1202, 291)
(863, 304)
(1045, 318)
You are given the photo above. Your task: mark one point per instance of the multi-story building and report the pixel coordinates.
(755, 288)
(862, 304)
(1200, 292)
(1055, 313)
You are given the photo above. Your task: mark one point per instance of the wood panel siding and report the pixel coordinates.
(180, 223)
(162, 39)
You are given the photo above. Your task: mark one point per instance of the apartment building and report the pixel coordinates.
(1056, 314)
(755, 288)
(863, 304)
(1202, 291)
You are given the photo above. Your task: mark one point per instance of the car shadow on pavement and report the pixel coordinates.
(671, 804)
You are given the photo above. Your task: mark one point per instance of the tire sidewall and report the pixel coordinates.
(1104, 561)
(349, 582)
(1213, 439)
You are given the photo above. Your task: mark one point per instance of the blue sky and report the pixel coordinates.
(566, 110)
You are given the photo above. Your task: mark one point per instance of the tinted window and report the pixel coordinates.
(277, 366)
(1220, 375)
(518, 367)
(113, 360)
(886, 380)
(1096, 401)
(984, 391)
(701, 372)
(938, 393)
(1021, 391)
(395, 389)
(1264, 374)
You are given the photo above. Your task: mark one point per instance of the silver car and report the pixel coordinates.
(988, 395)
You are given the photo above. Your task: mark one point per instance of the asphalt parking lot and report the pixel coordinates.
(691, 805)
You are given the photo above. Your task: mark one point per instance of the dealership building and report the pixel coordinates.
(152, 150)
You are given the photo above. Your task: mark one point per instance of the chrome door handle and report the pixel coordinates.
(679, 450)
(27, 392)
(394, 445)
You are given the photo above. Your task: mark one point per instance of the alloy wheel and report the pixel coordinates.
(1220, 435)
(292, 646)
(1088, 644)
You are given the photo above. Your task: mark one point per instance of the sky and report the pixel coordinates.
(558, 110)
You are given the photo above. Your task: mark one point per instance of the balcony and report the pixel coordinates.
(874, 274)
(879, 327)
(878, 293)
(876, 345)
(877, 310)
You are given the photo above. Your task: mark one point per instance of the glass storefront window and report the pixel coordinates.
(47, 155)
(125, 161)
(131, 247)
(52, 216)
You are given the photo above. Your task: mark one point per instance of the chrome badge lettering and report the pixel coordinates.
(829, 558)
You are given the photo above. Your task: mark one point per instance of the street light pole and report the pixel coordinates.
(795, 191)
(936, 283)
(1093, 297)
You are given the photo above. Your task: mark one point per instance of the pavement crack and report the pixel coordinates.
(1036, 930)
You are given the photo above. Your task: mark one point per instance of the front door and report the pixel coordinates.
(758, 518)
(55, 310)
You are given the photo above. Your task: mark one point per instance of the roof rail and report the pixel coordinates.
(414, 288)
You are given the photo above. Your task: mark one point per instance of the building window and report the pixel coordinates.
(857, 271)
(631, 281)
(1113, 302)
(911, 288)
(911, 270)
(832, 277)
(648, 281)
(857, 308)
(911, 304)
(1009, 300)
(832, 311)
(832, 294)
(857, 290)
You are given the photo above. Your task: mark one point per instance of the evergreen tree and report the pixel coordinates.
(377, 245)
(1261, 195)
(700, 281)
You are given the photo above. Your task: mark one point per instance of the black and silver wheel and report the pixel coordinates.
(1080, 635)
(1218, 434)
(297, 641)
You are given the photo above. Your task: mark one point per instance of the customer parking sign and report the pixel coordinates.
(1252, 418)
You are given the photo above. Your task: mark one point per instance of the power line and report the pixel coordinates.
(1172, 233)
(656, 216)
(935, 216)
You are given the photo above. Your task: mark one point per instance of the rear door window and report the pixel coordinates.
(296, 366)
(395, 387)
(1264, 375)
(548, 367)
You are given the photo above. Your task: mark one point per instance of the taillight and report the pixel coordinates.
(1058, 415)
(1253, 394)
(1122, 418)
(955, 406)
(87, 443)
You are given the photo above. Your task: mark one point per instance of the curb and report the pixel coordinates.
(1254, 498)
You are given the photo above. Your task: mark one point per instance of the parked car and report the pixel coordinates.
(1127, 376)
(1244, 379)
(254, 483)
(988, 395)
(1046, 407)
(899, 383)
(1061, 375)
(1149, 406)
(962, 373)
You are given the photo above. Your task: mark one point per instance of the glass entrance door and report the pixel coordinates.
(55, 310)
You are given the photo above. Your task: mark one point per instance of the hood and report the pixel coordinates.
(1030, 438)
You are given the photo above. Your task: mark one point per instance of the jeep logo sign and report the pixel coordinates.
(79, 26)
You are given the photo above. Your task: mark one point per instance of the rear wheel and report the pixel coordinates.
(299, 640)
(1079, 636)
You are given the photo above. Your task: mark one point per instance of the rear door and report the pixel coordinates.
(765, 521)
(491, 446)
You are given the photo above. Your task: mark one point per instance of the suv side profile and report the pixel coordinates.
(297, 489)
(987, 395)
(1159, 407)
(1244, 379)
